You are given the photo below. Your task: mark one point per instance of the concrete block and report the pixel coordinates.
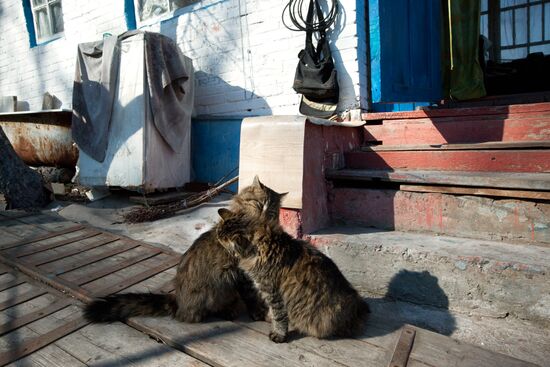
(484, 278)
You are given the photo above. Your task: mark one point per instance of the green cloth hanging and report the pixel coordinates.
(462, 74)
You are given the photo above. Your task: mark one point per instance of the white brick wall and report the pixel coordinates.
(244, 57)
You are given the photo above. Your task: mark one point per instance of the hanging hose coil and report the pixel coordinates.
(294, 8)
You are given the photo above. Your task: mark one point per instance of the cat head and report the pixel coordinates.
(234, 233)
(258, 201)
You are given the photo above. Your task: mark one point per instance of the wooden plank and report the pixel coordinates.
(11, 283)
(48, 221)
(3, 269)
(33, 316)
(476, 160)
(70, 266)
(33, 272)
(530, 181)
(111, 344)
(226, 344)
(29, 346)
(437, 350)
(17, 231)
(41, 237)
(33, 293)
(537, 195)
(471, 111)
(45, 247)
(441, 131)
(118, 344)
(128, 282)
(86, 278)
(50, 257)
(351, 352)
(49, 356)
(403, 348)
(497, 145)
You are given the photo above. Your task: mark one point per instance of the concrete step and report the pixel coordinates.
(490, 218)
(476, 277)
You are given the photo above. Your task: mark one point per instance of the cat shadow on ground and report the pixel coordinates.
(413, 298)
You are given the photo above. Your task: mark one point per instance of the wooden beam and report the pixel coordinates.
(477, 160)
(466, 111)
(522, 194)
(528, 181)
(441, 131)
(492, 145)
(400, 357)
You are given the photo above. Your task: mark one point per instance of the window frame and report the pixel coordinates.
(494, 13)
(168, 15)
(47, 3)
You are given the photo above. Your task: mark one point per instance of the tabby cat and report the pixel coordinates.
(208, 281)
(303, 288)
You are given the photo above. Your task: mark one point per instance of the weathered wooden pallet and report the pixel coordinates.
(54, 259)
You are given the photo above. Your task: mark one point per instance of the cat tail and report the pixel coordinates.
(120, 307)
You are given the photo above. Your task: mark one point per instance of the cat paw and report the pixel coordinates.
(277, 338)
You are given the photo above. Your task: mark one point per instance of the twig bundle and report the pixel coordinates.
(148, 214)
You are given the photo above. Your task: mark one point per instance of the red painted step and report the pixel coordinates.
(453, 160)
(460, 130)
(455, 215)
(454, 112)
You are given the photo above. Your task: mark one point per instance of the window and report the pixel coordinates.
(153, 9)
(516, 27)
(47, 19)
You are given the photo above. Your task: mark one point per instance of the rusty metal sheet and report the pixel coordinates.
(42, 144)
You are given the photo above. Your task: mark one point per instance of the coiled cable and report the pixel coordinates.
(295, 11)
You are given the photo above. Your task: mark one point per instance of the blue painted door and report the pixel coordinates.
(405, 56)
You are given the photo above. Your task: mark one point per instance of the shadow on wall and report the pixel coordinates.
(216, 98)
(427, 305)
(347, 100)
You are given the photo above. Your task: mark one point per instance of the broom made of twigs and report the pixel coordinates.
(147, 214)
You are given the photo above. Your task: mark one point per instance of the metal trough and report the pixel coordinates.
(41, 138)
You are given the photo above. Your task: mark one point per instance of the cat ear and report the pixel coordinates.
(282, 195)
(224, 213)
(256, 181)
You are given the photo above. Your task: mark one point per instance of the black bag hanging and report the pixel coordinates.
(315, 75)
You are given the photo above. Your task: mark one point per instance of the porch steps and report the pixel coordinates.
(481, 172)
(514, 123)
